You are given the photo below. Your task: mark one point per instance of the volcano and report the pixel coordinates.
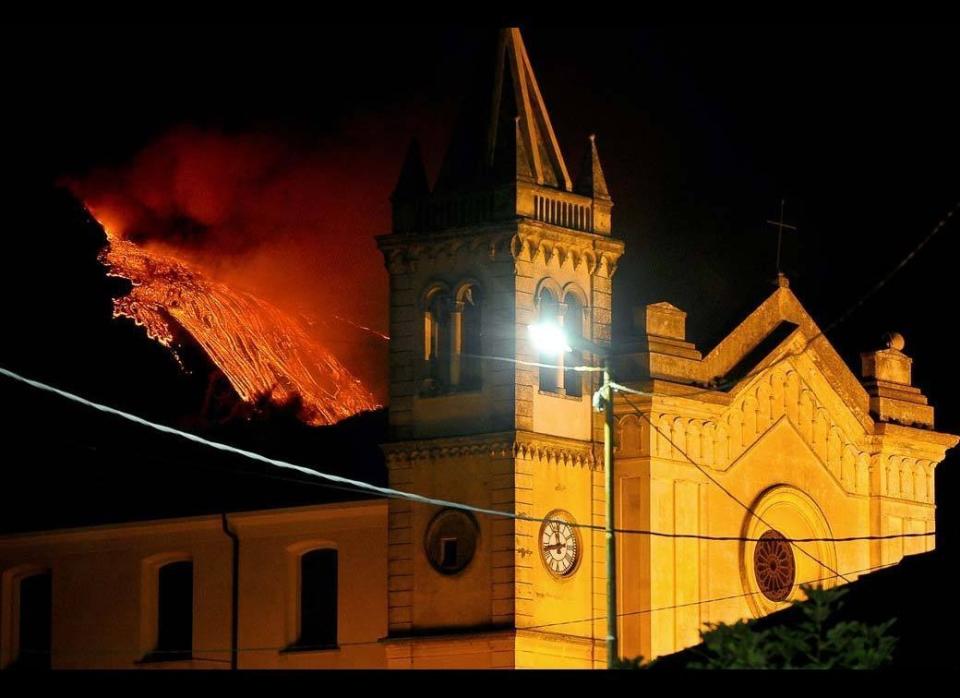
(264, 353)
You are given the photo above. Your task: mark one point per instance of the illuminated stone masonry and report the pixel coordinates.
(792, 434)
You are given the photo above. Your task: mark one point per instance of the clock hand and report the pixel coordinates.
(555, 546)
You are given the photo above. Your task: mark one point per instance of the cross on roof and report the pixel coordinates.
(780, 225)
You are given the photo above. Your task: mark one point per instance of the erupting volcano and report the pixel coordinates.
(258, 252)
(261, 350)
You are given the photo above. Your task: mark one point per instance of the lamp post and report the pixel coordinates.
(550, 339)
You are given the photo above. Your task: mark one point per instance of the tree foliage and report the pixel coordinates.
(818, 641)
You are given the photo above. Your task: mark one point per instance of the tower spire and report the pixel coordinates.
(591, 181)
(508, 116)
(410, 191)
(547, 162)
(412, 182)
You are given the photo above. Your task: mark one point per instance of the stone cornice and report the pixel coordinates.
(556, 450)
(534, 240)
(898, 435)
(499, 445)
(521, 241)
(845, 446)
(521, 445)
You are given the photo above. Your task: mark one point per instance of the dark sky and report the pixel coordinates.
(701, 130)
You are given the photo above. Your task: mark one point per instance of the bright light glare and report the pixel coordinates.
(548, 338)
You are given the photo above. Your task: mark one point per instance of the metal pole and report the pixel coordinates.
(234, 597)
(612, 649)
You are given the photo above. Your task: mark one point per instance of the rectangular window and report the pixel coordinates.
(36, 603)
(318, 600)
(449, 551)
(174, 612)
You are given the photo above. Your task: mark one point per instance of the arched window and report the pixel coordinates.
(550, 378)
(436, 339)
(567, 309)
(174, 612)
(318, 599)
(467, 343)
(34, 622)
(573, 327)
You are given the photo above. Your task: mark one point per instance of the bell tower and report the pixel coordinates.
(502, 239)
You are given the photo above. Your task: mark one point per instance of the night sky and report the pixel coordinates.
(701, 131)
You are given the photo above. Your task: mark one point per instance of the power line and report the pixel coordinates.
(629, 531)
(903, 262)
(367, 487)
(730, 494)
(507, 359)
(340, 482)
(702, 602)
(726, 384)
(388, 492)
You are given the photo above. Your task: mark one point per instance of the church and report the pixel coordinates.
(741, 471)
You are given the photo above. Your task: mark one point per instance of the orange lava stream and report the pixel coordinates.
(260, 349)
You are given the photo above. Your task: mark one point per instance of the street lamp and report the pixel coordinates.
(549, 339)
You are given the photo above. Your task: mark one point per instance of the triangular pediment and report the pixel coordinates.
(782, 455)
(783, 331)
(780, 307)
(794, 394)
(778, 331)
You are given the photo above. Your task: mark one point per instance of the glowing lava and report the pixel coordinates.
(260, 349)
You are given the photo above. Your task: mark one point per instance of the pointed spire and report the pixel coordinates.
(521, 157)
(412, 182)
(411, 191)
(485, 134)
(591, 181)
(510, 161)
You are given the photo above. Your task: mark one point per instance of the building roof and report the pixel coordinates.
(68, 465)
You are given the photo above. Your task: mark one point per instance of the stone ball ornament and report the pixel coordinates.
(894, 340)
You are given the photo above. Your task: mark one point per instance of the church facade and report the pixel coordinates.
(741, 473)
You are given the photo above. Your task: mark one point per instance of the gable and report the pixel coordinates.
(782, 455)
(793, 392)
(729, 361)
(779, 330)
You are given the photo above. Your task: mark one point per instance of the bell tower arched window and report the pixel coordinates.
(452, 339)
(466, 363)
(566, 308)
(551, 378)
(573, 328)
(436, 340)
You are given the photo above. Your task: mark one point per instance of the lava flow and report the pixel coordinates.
(260, 349)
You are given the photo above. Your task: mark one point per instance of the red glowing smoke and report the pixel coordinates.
(292, 222)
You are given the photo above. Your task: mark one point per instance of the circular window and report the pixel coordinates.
(451, 541)
(774, 566)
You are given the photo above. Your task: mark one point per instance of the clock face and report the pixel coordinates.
(559, 544)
